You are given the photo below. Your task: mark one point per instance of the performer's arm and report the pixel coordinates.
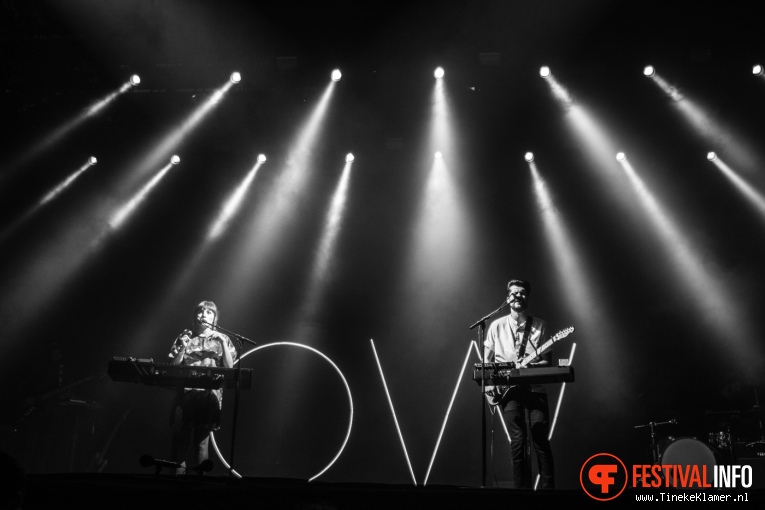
(178, 351)
(226, 348)
(544, 360)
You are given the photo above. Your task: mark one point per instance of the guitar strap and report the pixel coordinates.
(525, 339)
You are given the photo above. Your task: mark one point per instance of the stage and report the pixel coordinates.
(148, 492)
(354, 185)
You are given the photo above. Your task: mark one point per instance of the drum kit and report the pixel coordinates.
(730, 440)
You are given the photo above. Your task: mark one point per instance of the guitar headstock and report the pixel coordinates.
(563, 333)
(547, 345)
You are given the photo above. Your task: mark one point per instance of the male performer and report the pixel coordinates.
(197, 411)
(510, 339)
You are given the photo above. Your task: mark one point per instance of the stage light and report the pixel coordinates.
(448, 411)
(757, 70)
(439, 73)
(336, 75)
(620, 156)
(135, 79)
(649, 71)
(393, 411)
(236, 77)
(529, 157)
(438, 155)
(265, 237)
(234, 202)
(544, 71)
(349, 158)
(92, 160)
(175, 159)
(711, 156)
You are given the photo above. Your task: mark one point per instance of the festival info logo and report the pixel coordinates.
(603, 476)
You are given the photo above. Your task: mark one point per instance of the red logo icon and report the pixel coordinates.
(603, 476)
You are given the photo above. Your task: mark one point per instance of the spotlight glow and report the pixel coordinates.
(620, 156)
(438, 155)
(266, 235)
(122, 214)
(71, 125)
(323, 262)
(529, 157)
(439, 73)
(67, 182)
(5, 233)
(544, 72)
(560, 92)
(746, 189)
(135, 80)
(164, 147)
(649, 71)
(703, 282)
(175, 159)
(757, 70)
(578, 280)
(236, 77)
(261, 158)
(336, 75)
(711, 156)
(233, 203)
(349, 158)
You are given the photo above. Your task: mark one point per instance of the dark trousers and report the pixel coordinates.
(196, 414)
(521, 399)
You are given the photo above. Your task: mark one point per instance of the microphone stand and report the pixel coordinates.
(237, 379)
(481, 325)
(651, 425)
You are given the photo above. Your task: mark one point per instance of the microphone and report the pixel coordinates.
(147, 460)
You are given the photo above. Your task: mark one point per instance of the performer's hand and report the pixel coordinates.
(491, 390)
(186, 338)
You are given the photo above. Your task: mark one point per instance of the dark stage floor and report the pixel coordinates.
(162, 492)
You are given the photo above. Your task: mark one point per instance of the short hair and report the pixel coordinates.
(208, 305)
(520, 283)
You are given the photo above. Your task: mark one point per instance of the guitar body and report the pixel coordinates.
(501, 392)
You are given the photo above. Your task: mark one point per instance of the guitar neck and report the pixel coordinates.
(545, 346)
(541, 350)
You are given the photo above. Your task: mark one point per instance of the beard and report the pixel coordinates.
(518, 305)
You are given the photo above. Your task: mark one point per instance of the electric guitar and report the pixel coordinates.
(501, 391)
